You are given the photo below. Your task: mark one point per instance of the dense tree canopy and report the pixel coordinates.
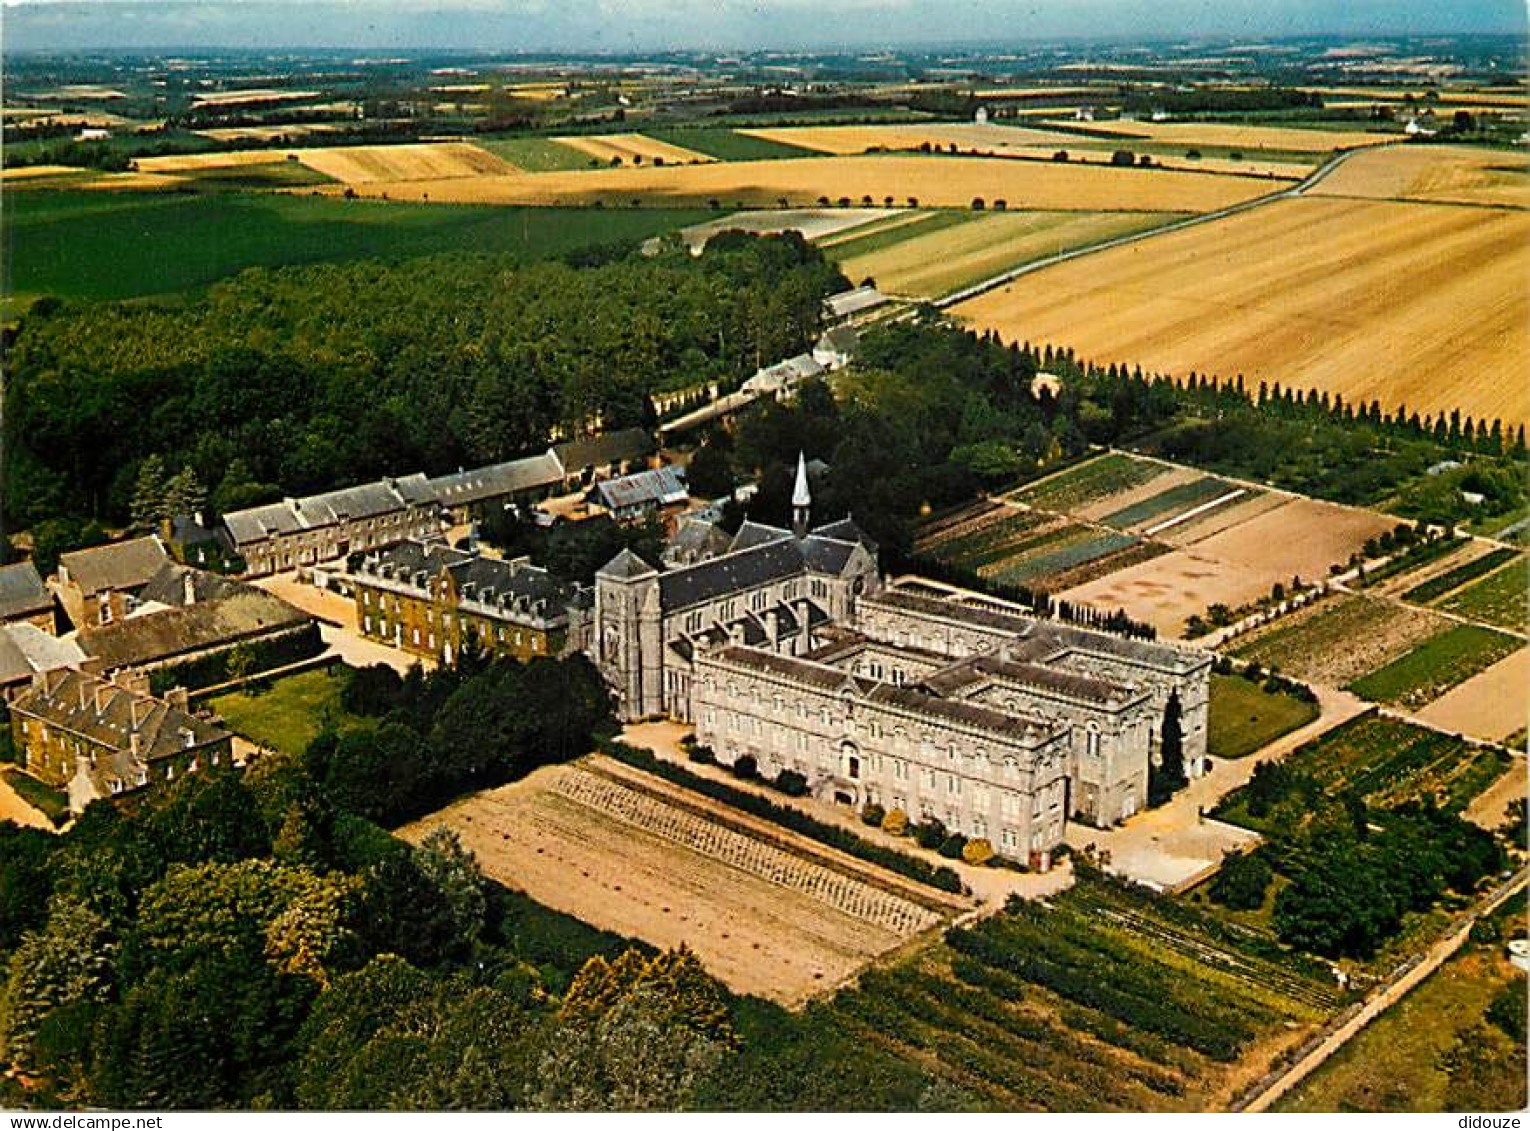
(305, 378)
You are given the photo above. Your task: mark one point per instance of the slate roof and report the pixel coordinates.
(22, 592)
(625, 566)
(480, 580)
(657, 487)
(167, 633)
(695, 539)
(168, 585)
(26, 649)
(577, 456)
(752, 534)
(854, 301)
(120, 565)
(729, 573)
(498, 480)
(313, 512)
(1068, 685)
(839, 339)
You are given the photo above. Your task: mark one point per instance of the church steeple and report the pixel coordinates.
(802, 500)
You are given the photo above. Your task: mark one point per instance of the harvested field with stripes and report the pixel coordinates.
(1281, 138)
(842, 140)
(933, 181)
(766, 911)
(1443, 174)
(1356, 297)
(631, 149)
(362, 166)
(929, 263)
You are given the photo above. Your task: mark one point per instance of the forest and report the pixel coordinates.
(296, 380)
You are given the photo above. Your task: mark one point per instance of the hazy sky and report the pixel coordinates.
(642, 25)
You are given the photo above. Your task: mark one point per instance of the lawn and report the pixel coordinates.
(1246, 718)
(96, 245)
(1498, 598)
(726, 144)
(1435, 666)
(291, 712)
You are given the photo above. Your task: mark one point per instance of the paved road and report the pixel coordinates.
(1387, 994)
(1296, 190)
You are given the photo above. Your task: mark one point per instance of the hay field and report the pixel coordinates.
(842, 140)
(1233, 565)
(196, 162)
(949, 182)
(32, 172)
(632, 148)
(931, 264)
(266, 133)
(359, 165)
(1408, 304)
(1448, 174)
(1286, 138)
(767, 912)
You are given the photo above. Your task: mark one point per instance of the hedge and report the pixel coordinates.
(206, 671)
(942, 878)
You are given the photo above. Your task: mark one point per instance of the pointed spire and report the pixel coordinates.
(801, 496)
(802, 500)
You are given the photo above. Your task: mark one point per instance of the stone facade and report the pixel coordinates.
(919, 696)
(432, 601)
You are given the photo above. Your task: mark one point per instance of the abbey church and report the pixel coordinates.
(789, 647)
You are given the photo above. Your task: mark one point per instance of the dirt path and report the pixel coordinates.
(1490, 808)
(1388, 993)
(13, 808)
(1174, 846)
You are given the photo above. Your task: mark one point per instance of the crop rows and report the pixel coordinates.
(840, 891)
(1453, 579)
(1070, 548)
(1436, 665)
(1167, 503)
(1098, 479)
(1497, 599)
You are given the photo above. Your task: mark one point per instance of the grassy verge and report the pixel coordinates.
(1246, 718)
(1435, 666)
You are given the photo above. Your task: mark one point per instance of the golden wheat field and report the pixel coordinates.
(32, 172)
(1408, 304)
(928, 265)
(605, 147)
(1454, 174)
(948, 182)
(858, 139)
(195, 162)
(359, 165)
(1283, 138)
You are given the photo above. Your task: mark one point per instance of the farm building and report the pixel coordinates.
(466, 494)
(641, 493)
(98, 738)
(781, 378)
(26, 651)
(847, 304)
(941, 702)
(434, 601)
(836, 347)
(597, 457)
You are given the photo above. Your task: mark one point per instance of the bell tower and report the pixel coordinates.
(802, 500)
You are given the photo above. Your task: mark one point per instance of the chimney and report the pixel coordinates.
(188, 737)
(179, 698)
(189, 588)
(135, 744)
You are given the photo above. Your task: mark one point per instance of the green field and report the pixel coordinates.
(1499, 598)
(1098, 478)
(536, 154)
(1435, 666)
(1166, 504)
(1455, 578)
(891, 232)
(1432, 1051)
(1245, 717)
(289, 714)
(726, 144)
(1317, 644)
(96, 245)
(1109, 999)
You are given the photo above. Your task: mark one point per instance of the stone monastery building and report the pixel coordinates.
(788, 647)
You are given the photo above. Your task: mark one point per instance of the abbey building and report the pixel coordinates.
(787, 646)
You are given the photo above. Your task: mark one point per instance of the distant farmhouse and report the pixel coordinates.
(786, 647)
(433, 601)
(640, 494)
(97, 738)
